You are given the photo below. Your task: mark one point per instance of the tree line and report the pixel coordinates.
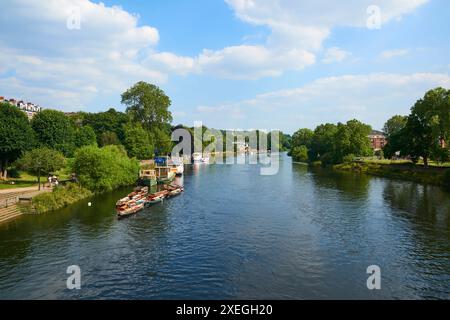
(43, 144)
(423, 134)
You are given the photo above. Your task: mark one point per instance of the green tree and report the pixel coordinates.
(85, 136)
(163, 142)
(16, 136)
(138, 142)
(359, 139)
(300, 153)
(109, 121)
(322, 143)
(104, 169)
(53, 129)
(427, 124)
(302, 137)
(41, 161)
(109, 138)
(394, 125)
(147, 104)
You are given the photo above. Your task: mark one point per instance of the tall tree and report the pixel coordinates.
(16, 136)
(42, 161)
(85, 136)
(109, 138)
(302, 137)
(109, 121)
(54, 130)
(138, 142)
(427, 124)
(394, 125)
(148, 105)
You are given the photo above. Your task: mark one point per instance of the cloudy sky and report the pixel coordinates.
(267, 64)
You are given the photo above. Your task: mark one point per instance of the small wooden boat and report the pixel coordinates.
(130, 209)
(156, 197)
(174, 190)
(138, 194)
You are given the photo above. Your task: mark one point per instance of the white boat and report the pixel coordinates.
(179, 165)
(197, 157)
(205, 159)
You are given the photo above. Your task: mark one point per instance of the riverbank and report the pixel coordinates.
(433, 175)
(59, 198)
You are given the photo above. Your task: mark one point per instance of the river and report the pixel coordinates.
(235, 234)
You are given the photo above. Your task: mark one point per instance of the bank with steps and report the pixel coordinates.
(17, 202)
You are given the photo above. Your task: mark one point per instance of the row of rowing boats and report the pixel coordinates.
(140, 198)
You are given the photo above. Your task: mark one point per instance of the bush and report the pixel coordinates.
(348, 158)
(59, 198)
(104, 169)
(300, 154)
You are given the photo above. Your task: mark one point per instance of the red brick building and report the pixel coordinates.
(377, 139)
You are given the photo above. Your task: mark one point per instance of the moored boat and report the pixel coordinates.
(130, 209)
(156, 197)
(174, 190)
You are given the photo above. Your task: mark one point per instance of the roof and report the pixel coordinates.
(377, 133)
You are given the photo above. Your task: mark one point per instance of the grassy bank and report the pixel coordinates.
(59, 198)
(433, 175)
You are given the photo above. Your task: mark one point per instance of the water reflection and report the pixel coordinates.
(233, 233)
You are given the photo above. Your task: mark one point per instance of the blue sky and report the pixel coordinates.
(238, 64)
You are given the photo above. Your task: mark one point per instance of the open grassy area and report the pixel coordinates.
(420, 163)
(23, 179)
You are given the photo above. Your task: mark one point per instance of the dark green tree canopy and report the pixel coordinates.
(394, 124)
(109, 121)
(85, 136)
(302, 137)
(16, 135)
(54, 130)
(148, 105)
(138, 142)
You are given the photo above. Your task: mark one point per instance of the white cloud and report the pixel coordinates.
(335, 54)
(298, 25)
(372, 98)
(252, 62)
(56, 67)
(44, 61)
(388, 54)
(307, 23)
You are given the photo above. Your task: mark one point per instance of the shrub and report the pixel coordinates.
(59, 198)
(104, 169)
(300, 153)
(348, 158)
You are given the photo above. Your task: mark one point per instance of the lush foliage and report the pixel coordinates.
(138, 142)
(42, 161)
(85, 136)
(300, 153)
(16, 135)
(53, 129)
(110, 122)
(59, 198)
(331, 144)
(394, 125)
(104, 169)
(426, 127)
(147, 104)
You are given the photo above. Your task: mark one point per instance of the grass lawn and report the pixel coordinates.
(25, 180)
(387, 161)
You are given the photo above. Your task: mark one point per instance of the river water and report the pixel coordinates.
(235, 234)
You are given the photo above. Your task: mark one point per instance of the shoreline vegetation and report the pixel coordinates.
(416, 146)
(439, 176)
